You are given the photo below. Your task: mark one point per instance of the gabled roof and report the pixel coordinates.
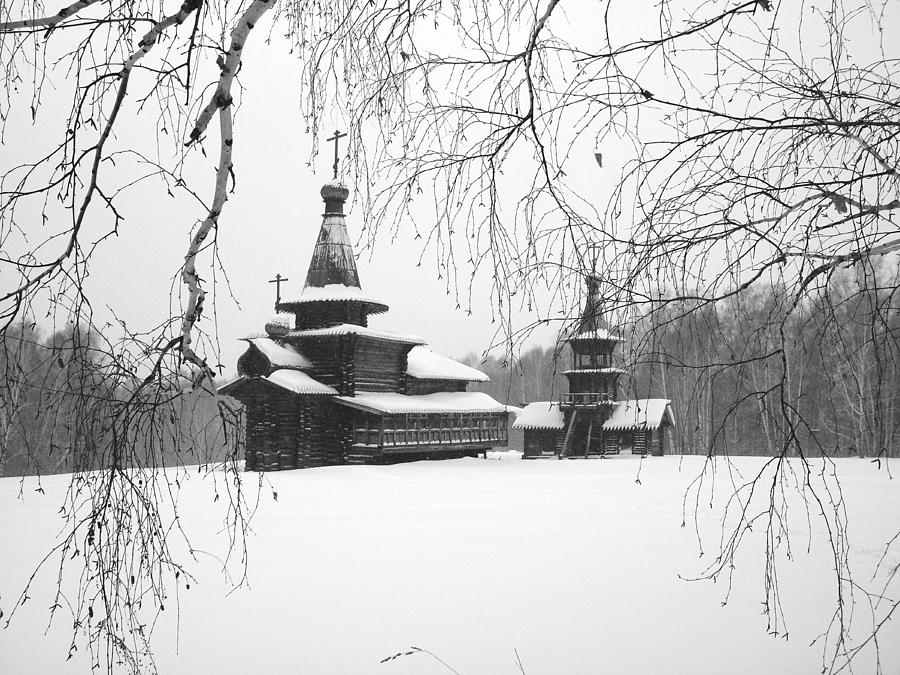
(353, 329)
(424, 364)
(442, 402)
(540, 415)
(642, 413)
(293, 381)
(280, 356)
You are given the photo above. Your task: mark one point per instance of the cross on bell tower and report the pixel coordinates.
(337, 137)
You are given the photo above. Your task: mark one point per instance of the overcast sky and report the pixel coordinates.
(272, 218)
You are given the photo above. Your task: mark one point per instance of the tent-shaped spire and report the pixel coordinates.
(591, 325)
(333, 261)
(332, 293)
(591, 320)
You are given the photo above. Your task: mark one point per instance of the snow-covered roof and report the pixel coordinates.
(299, 383)
(291, 380)
(424, 364)
(331, 292)
(353, 329)
(284, 356)
(642, 413)
(441, 402)
(595, 370)
(540, 415)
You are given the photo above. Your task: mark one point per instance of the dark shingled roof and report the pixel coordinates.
(333, 261)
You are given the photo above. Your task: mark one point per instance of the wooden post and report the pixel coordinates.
(587, 444)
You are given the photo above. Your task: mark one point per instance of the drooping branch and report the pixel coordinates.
(152, 35)
(144, 46)
(48, 22)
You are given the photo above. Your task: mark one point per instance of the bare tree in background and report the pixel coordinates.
(756, 144)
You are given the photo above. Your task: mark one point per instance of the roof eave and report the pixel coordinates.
(455, 378)
(373, 306)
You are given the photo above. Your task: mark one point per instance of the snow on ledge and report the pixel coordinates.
(424, 364)
(353, 329)
(540, 415)
(441, 402)
(594, 370)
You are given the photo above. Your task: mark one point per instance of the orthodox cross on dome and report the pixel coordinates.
(277, 281)
(337, 137)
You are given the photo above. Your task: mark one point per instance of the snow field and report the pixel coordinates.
(573, 564)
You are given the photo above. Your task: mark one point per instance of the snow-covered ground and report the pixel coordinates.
(571, 564)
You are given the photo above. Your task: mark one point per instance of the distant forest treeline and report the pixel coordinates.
(751, 375)
(69, 402)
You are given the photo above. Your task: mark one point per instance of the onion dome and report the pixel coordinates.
(335, 193)
(280, 324)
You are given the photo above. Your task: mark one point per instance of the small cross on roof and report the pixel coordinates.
(277, 281)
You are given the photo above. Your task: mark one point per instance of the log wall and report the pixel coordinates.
(416, 387)
(540, 442)
(379, 365)
(332, 359)
(323, 314)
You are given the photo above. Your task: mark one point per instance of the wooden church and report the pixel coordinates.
(320, 387)
(588, 420)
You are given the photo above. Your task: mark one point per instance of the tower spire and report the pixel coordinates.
(591, 320)
(333, 261)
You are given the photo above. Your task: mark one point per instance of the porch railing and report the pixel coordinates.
(585, 398)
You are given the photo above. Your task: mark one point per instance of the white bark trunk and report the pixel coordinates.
(221, 100)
